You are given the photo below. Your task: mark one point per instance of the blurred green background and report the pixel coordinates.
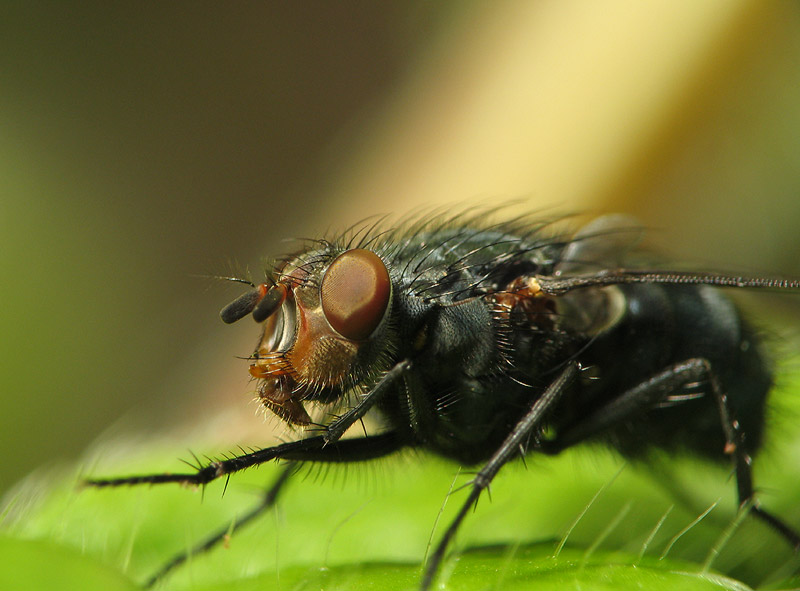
(142, 145)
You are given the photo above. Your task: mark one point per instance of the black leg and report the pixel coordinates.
(323, 448)
(639, 398)
(270, 496)
(510, 447)
(743, 463)
(310, 448)
(314, 449)
(657, 389)
(336, 429)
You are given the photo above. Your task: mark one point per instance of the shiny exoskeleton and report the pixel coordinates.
(482, 342)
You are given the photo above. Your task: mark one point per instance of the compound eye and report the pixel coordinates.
(355, 293)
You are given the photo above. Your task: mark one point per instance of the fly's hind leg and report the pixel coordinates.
(657, 389)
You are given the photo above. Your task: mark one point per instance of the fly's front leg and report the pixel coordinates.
(657, 389)
(322, 448)
(336, 429)
(349, 451)
(303, 449)
(215, 470)
(313, 449)
(528, 425)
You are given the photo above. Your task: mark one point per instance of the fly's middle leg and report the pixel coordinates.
(513, 444)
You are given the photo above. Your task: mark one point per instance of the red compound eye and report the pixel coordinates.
(355, 293)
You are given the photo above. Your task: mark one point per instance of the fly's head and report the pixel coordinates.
(325, 321)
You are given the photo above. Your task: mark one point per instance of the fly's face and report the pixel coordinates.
(324, 324)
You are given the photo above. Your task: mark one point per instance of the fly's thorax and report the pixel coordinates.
(330, 333)
(460, 337)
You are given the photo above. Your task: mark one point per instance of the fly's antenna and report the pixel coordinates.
(233, 279)
(224, 278)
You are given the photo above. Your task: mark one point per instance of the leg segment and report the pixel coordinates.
(636, 400)
(323, 448)
(315, 449)
(336, 429)
(511, 446)
(269, 499)
(657, 389)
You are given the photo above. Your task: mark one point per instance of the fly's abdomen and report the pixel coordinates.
(665, 325)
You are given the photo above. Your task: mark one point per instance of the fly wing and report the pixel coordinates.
(601, 244)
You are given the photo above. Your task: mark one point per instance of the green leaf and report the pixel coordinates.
(583, 520)
(37, 565)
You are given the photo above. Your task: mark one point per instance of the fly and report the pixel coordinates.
(471, 341)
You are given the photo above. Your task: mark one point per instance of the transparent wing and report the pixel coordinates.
(601, 244)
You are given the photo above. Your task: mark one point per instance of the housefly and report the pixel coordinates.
(475, 341)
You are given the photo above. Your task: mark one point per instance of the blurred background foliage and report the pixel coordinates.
(145, 145)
